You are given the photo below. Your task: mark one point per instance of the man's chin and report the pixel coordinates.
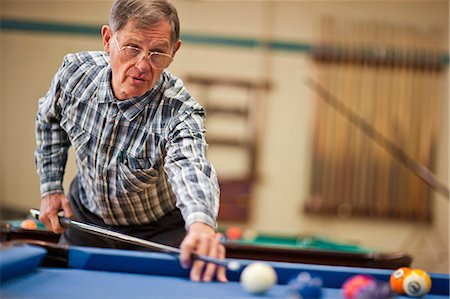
(136, 92)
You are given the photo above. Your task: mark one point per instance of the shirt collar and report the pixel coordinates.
(130, 108)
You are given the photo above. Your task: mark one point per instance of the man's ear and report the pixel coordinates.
(106, 34)
(176, 47)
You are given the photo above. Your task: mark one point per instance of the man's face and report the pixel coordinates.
(134, 77)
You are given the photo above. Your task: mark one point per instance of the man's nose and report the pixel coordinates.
(143, 64)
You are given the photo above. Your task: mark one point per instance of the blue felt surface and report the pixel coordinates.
(75, 283)
(169, 265)
(16, 261)
(106, 273)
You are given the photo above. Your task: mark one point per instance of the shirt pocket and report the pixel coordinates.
(80, 142)
(136, 174)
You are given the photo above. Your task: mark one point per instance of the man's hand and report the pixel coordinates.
(50, 206)
(201, 239)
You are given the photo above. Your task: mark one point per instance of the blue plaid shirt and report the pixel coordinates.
(137, 159)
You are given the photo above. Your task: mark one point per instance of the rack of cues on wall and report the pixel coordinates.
(376, 134)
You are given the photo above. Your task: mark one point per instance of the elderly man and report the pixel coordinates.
(139, 141)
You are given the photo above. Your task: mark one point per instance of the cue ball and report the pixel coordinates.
(417, 283)
(258, 277)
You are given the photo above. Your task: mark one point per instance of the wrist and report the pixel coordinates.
(201, 226)
(50, 188)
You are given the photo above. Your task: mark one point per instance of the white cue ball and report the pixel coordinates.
(258, 277)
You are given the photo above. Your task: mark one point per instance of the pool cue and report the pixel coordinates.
(393, 149)
(113, 235)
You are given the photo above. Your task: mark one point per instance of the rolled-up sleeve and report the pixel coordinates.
(52, 142)
(193, 178)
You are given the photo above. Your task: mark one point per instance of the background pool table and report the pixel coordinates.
(108, 273)
(296, 249)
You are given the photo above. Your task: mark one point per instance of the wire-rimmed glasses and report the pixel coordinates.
(157, 60)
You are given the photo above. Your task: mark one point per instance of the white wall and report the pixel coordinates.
(29, 60)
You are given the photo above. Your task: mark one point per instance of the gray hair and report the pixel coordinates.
(146, 13)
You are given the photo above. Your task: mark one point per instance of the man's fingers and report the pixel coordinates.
(67, 208)
(45, 220)
(50, 205)
(55, 225)
(221, 272)
(203, 240)
(187, 248)
(210, 269)
(202, 248)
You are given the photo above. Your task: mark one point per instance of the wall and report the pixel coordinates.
(28, 61)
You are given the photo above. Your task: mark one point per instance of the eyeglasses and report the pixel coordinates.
(157, 60)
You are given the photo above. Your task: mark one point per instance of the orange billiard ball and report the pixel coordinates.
(397, 278)
(28, 224)
(417, 283)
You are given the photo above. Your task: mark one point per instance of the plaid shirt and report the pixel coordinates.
(137, 159)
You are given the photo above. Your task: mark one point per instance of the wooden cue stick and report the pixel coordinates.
(371, 190)
(413, 93)
(396, 189)
(360, 156)
(113, 235)
(331, 122)
(410, 94)
(378, 42)
(422, 115)
(335, 129)
(382, 173)
(328, 25)
(399, 193)
(433, 81)
(344, 139)
(369, 71)
(355, 178)
(316, 140)
(350, 142)
(430, 104)
(341, 201)
(415, 121)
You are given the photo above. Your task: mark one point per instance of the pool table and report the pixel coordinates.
(110, 273)
(314, 250)
(300, 249)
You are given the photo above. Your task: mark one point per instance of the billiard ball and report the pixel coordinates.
(258, 277)
(356, 284)
(305, 286)
(365, 286)
(28, 224)
(397, 278)
(417, 283)
(378, 290)
(233, 233)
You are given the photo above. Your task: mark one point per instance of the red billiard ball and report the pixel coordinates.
(356, 284)
(397, 278)
(233, 233)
